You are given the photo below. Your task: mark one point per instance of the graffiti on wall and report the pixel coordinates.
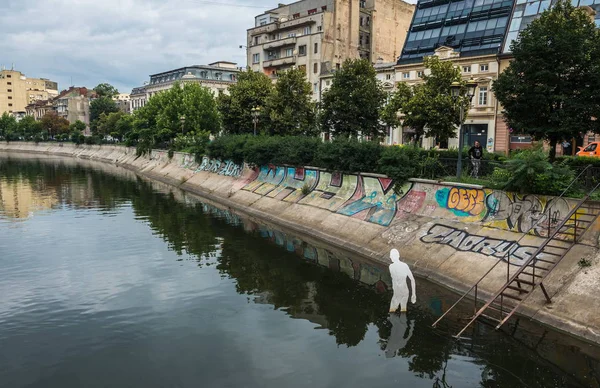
(290, 189)
(331, 191)
(227, 168)
(462, 201)
(464, 241)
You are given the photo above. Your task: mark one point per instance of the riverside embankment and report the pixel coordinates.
(448, 233)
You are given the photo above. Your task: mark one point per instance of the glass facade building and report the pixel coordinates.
(526, 11)
(471, 27)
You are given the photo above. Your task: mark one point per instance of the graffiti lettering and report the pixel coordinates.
(464, 241)
(227, 168)
(462, 202)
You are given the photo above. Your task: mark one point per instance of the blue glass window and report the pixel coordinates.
(532, 8)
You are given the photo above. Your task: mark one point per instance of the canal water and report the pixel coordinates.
(110, 280)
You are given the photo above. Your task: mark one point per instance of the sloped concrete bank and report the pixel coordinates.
(448, 234)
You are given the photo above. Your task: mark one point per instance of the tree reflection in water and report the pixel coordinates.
(307, 282)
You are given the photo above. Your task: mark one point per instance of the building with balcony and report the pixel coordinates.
(319, 35)
(74, 104)
(17, 91)
(137, 98)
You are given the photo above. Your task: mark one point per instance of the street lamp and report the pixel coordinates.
(255, 115)
(182, 119)
(457, 91)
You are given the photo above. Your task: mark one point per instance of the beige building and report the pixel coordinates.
(74, 104)
(319, 35)
(17, 91)
(123, 101)
(480, 123)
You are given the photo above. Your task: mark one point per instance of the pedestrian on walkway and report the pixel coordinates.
(476, 153)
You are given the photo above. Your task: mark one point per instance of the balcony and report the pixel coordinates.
(279, 61)
(280, 43)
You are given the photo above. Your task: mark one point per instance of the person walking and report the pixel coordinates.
(476, 153)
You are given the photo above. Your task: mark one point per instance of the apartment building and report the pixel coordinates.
(74, 104)
(138, 98)
(319, 35)
(123, 101)
(17, 91)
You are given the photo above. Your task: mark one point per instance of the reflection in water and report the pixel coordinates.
(341, 293)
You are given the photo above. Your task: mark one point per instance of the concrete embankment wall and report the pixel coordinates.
(448, 233)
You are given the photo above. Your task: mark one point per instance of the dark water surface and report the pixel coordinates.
(108, 280)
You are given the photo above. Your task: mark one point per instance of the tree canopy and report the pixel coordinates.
(431, 110)
(54, 124)
(551, 90)
(251, 90)
(353, 104)
(106, 90)
(8, 125)
(99, 106)
(289, 107)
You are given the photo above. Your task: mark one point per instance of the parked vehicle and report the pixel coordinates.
(592, 150)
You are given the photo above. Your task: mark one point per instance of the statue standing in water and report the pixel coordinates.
(399, 272)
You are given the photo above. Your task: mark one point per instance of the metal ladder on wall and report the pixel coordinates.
(560, 239)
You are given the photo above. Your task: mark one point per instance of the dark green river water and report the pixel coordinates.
(109, 280)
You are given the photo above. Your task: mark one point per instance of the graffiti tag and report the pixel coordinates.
(461, 201)
(463, 241)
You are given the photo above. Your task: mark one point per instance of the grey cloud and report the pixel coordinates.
(120, 41)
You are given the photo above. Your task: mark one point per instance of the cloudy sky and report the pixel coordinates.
(121, 41)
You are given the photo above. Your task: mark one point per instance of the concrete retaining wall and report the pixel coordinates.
(448, 233)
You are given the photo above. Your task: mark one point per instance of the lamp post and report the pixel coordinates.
(255, 115)
(182, 119)
(458, 91)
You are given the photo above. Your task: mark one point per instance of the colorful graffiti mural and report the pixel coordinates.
(462, 201)
(227, 168)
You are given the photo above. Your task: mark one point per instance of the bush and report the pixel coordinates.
(348, 155)
(400, 163)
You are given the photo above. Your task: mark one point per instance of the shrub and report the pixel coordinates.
(348, 155)
(400, 163)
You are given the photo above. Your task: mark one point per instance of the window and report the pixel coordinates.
(289, 52)
(311, 11)
(483, 95)
(363, 3)
(218, 75)
(483, 68)
(362, 21)
(368, 21)
(520, 139)
(256, 58)
(296, 15)
(256, 40)
(406, 75)
(9, 83)
(337, 66)
(232, 77)
(315, 88)
(302, 50)
(9, 104)
(291, 34)
(316, 68)
(263, 22)
(316, 48)
(319, 28)
(388, 76)
(8, 76)
(9, 90)
(328, 82)
(10, 97)
(466, 69)
(420, 73)
(306, 30)
(324, 8)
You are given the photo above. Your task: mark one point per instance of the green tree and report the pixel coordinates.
(431, 110)
(8, 126)
(251, 90)
(551, 90)
(290, 108)
(54, 125)
(97, 107)
(353, 104)
(106, 90)
(77, 126)
(29, 127)
(396, 105)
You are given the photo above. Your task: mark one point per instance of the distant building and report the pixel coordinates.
(319, 35)
(74, 104)
(216, 76)
(17, 91)
(38, 109)
(123, 101)
(137, 98)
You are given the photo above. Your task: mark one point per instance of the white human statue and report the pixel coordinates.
(399, 271)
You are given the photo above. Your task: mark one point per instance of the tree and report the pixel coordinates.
(77, 126)
(29, 128)
(353, 104)
(396, 104)
(98, 106)
(251, 90)
(431, 110)
(54, 124)
(290, 108)
(106, 90)
(8, 126)
(551, 90)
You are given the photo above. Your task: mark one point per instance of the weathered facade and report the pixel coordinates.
(319, 35)
(17, 91)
